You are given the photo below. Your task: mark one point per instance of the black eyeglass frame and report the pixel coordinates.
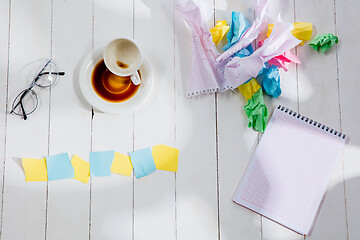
(34, 83)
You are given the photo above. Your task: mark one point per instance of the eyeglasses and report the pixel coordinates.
(27, 101)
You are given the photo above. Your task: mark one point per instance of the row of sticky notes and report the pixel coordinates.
(101, 164)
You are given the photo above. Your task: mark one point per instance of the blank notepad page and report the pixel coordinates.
(290, 170)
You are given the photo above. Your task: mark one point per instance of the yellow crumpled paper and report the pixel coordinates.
(301, 31)
(218, 32)
(249, 89)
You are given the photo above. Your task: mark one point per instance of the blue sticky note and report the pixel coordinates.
(59, 167)
(100, 163)
(143, 162)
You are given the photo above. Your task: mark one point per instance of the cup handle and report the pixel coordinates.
(135, 78)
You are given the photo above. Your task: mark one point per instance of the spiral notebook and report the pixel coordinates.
(289, 172)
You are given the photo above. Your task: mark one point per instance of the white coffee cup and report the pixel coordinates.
(123, 57)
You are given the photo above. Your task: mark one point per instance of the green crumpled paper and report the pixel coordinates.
(257, 112)
(323, 42)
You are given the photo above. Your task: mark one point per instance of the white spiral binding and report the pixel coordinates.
(311, 122)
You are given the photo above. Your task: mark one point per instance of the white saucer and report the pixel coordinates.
(108, 107)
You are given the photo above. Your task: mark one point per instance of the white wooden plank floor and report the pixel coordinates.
(210, 131)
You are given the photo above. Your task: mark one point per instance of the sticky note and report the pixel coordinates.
(121, 165)
(219, 31)
(35, 170)
(270, 78)
(323, 42)
(249, 89)
(301, 31)
(59, 167)
(256, 111)
(100, 163)
(166, 158)
(239, 25)
(143, 162)
(82, 169)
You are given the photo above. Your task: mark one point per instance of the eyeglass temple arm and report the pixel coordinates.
(56, 73)
(43, 73)
(23, 110)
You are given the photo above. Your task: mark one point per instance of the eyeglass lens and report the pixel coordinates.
(47, 75)
(25, 103)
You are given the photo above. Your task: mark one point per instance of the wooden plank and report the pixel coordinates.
(318, 98)
(24, 213)
(348, 72)
(196, 181)
(288, 98)
(70, 119)
(4, 43)
(236, 143)
(112, 197)
(288, 79)
(154, 196)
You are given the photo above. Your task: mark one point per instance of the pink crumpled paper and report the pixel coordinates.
(283, 59)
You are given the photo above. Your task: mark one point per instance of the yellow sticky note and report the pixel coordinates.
(166, 158)
(35, 170)
(121, 165)
(248, 89)
(301, 31)
(218, 32)
(82, 169)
